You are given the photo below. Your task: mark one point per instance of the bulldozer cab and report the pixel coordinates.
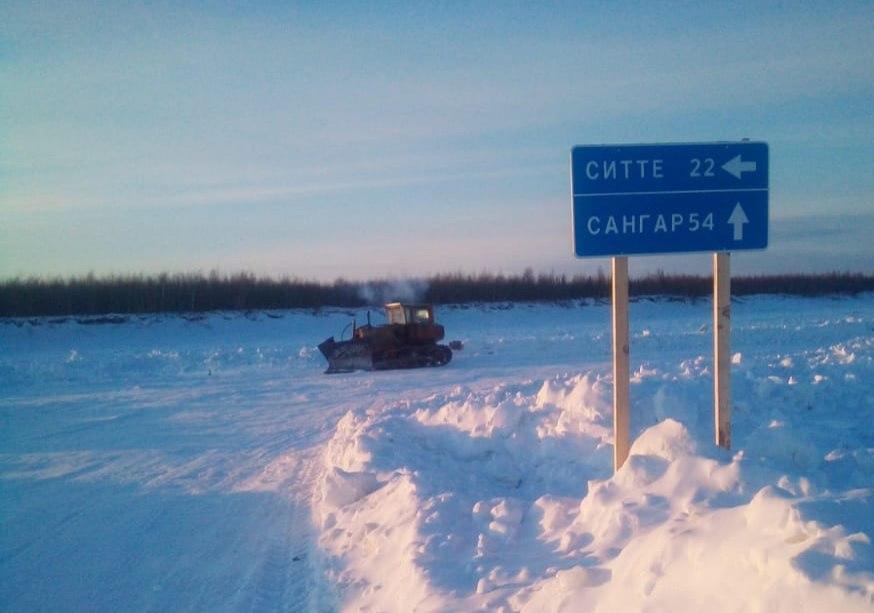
(404, 314)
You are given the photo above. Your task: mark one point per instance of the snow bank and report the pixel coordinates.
(504, 498)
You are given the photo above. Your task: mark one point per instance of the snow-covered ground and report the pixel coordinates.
(206, 463)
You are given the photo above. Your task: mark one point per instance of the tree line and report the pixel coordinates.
(196, 292)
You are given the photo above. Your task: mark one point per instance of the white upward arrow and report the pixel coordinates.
(738, 218)
(736, 166)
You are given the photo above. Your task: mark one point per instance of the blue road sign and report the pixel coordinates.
(669, 198)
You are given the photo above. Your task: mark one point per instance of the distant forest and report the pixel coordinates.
(123, 294)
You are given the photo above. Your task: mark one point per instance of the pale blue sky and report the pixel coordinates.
(380, 139)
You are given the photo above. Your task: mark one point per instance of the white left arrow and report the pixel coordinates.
(736, 166)
(738, 218)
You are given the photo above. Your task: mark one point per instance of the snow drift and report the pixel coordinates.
(503, 497)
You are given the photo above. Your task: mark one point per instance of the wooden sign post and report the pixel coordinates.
(621, 413)
(721, 349)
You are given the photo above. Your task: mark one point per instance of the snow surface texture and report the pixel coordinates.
(206, 463)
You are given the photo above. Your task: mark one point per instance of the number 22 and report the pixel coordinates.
(696, 167)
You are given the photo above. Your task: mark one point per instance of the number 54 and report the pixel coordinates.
(694, 223)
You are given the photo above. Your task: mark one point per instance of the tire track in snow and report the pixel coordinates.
(286, 580)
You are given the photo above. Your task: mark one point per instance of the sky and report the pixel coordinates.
(381, 139)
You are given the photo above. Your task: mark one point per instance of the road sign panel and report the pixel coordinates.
(669, 198)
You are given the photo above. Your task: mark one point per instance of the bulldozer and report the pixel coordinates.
(408, 340)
